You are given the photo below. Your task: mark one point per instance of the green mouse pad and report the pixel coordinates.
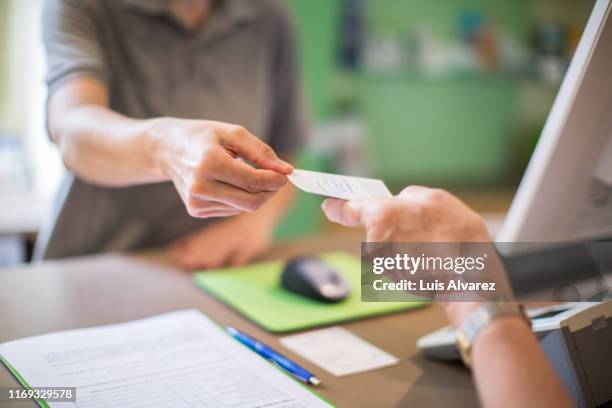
(255, 291)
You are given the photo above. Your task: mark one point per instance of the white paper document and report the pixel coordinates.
(338, 186)
(338, 351)
(180, 359)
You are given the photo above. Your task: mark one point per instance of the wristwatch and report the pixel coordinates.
(480, 318)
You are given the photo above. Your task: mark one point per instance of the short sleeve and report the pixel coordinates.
(72, 43)
(290, 125)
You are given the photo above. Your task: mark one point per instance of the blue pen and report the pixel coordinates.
(273, 356)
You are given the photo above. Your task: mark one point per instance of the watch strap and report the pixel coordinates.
(481, 317)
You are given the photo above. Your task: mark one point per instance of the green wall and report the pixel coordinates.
(452, 131)
(445, 131)
(316, 23)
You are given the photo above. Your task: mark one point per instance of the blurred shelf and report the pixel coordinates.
(463, 78)
(435, 79)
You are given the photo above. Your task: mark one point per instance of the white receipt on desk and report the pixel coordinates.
(338, 351)
(338, 186)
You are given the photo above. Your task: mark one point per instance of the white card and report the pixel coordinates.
(338, 351)
(339, 186)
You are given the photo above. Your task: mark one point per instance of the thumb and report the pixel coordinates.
(243, 143)
(347, 213)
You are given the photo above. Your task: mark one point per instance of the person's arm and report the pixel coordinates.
(97, 144)
(509, 367)
(107, 148)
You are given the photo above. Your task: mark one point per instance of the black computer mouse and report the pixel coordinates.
(311, 277)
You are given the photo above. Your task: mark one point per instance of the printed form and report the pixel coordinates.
(180, 359)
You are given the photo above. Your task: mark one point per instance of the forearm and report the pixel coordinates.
(107, 148)
(511, 370)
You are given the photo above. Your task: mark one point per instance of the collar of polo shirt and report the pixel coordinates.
(228, 13)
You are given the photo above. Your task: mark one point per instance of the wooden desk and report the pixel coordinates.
(107, 289)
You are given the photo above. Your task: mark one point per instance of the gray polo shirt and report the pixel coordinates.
(241, 68)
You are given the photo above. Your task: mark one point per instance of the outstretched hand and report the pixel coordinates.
(420, 215)
(202, 158)
(417, 214)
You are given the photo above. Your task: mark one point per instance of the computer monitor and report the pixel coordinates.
(566, 192)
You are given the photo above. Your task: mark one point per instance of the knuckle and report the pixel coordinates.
(410, 189)
(413, 190)
(433, 202)
(239, 132)
(265, 149)
(436, 195)
(254, 184)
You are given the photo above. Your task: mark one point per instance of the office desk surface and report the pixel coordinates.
(91, 291)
